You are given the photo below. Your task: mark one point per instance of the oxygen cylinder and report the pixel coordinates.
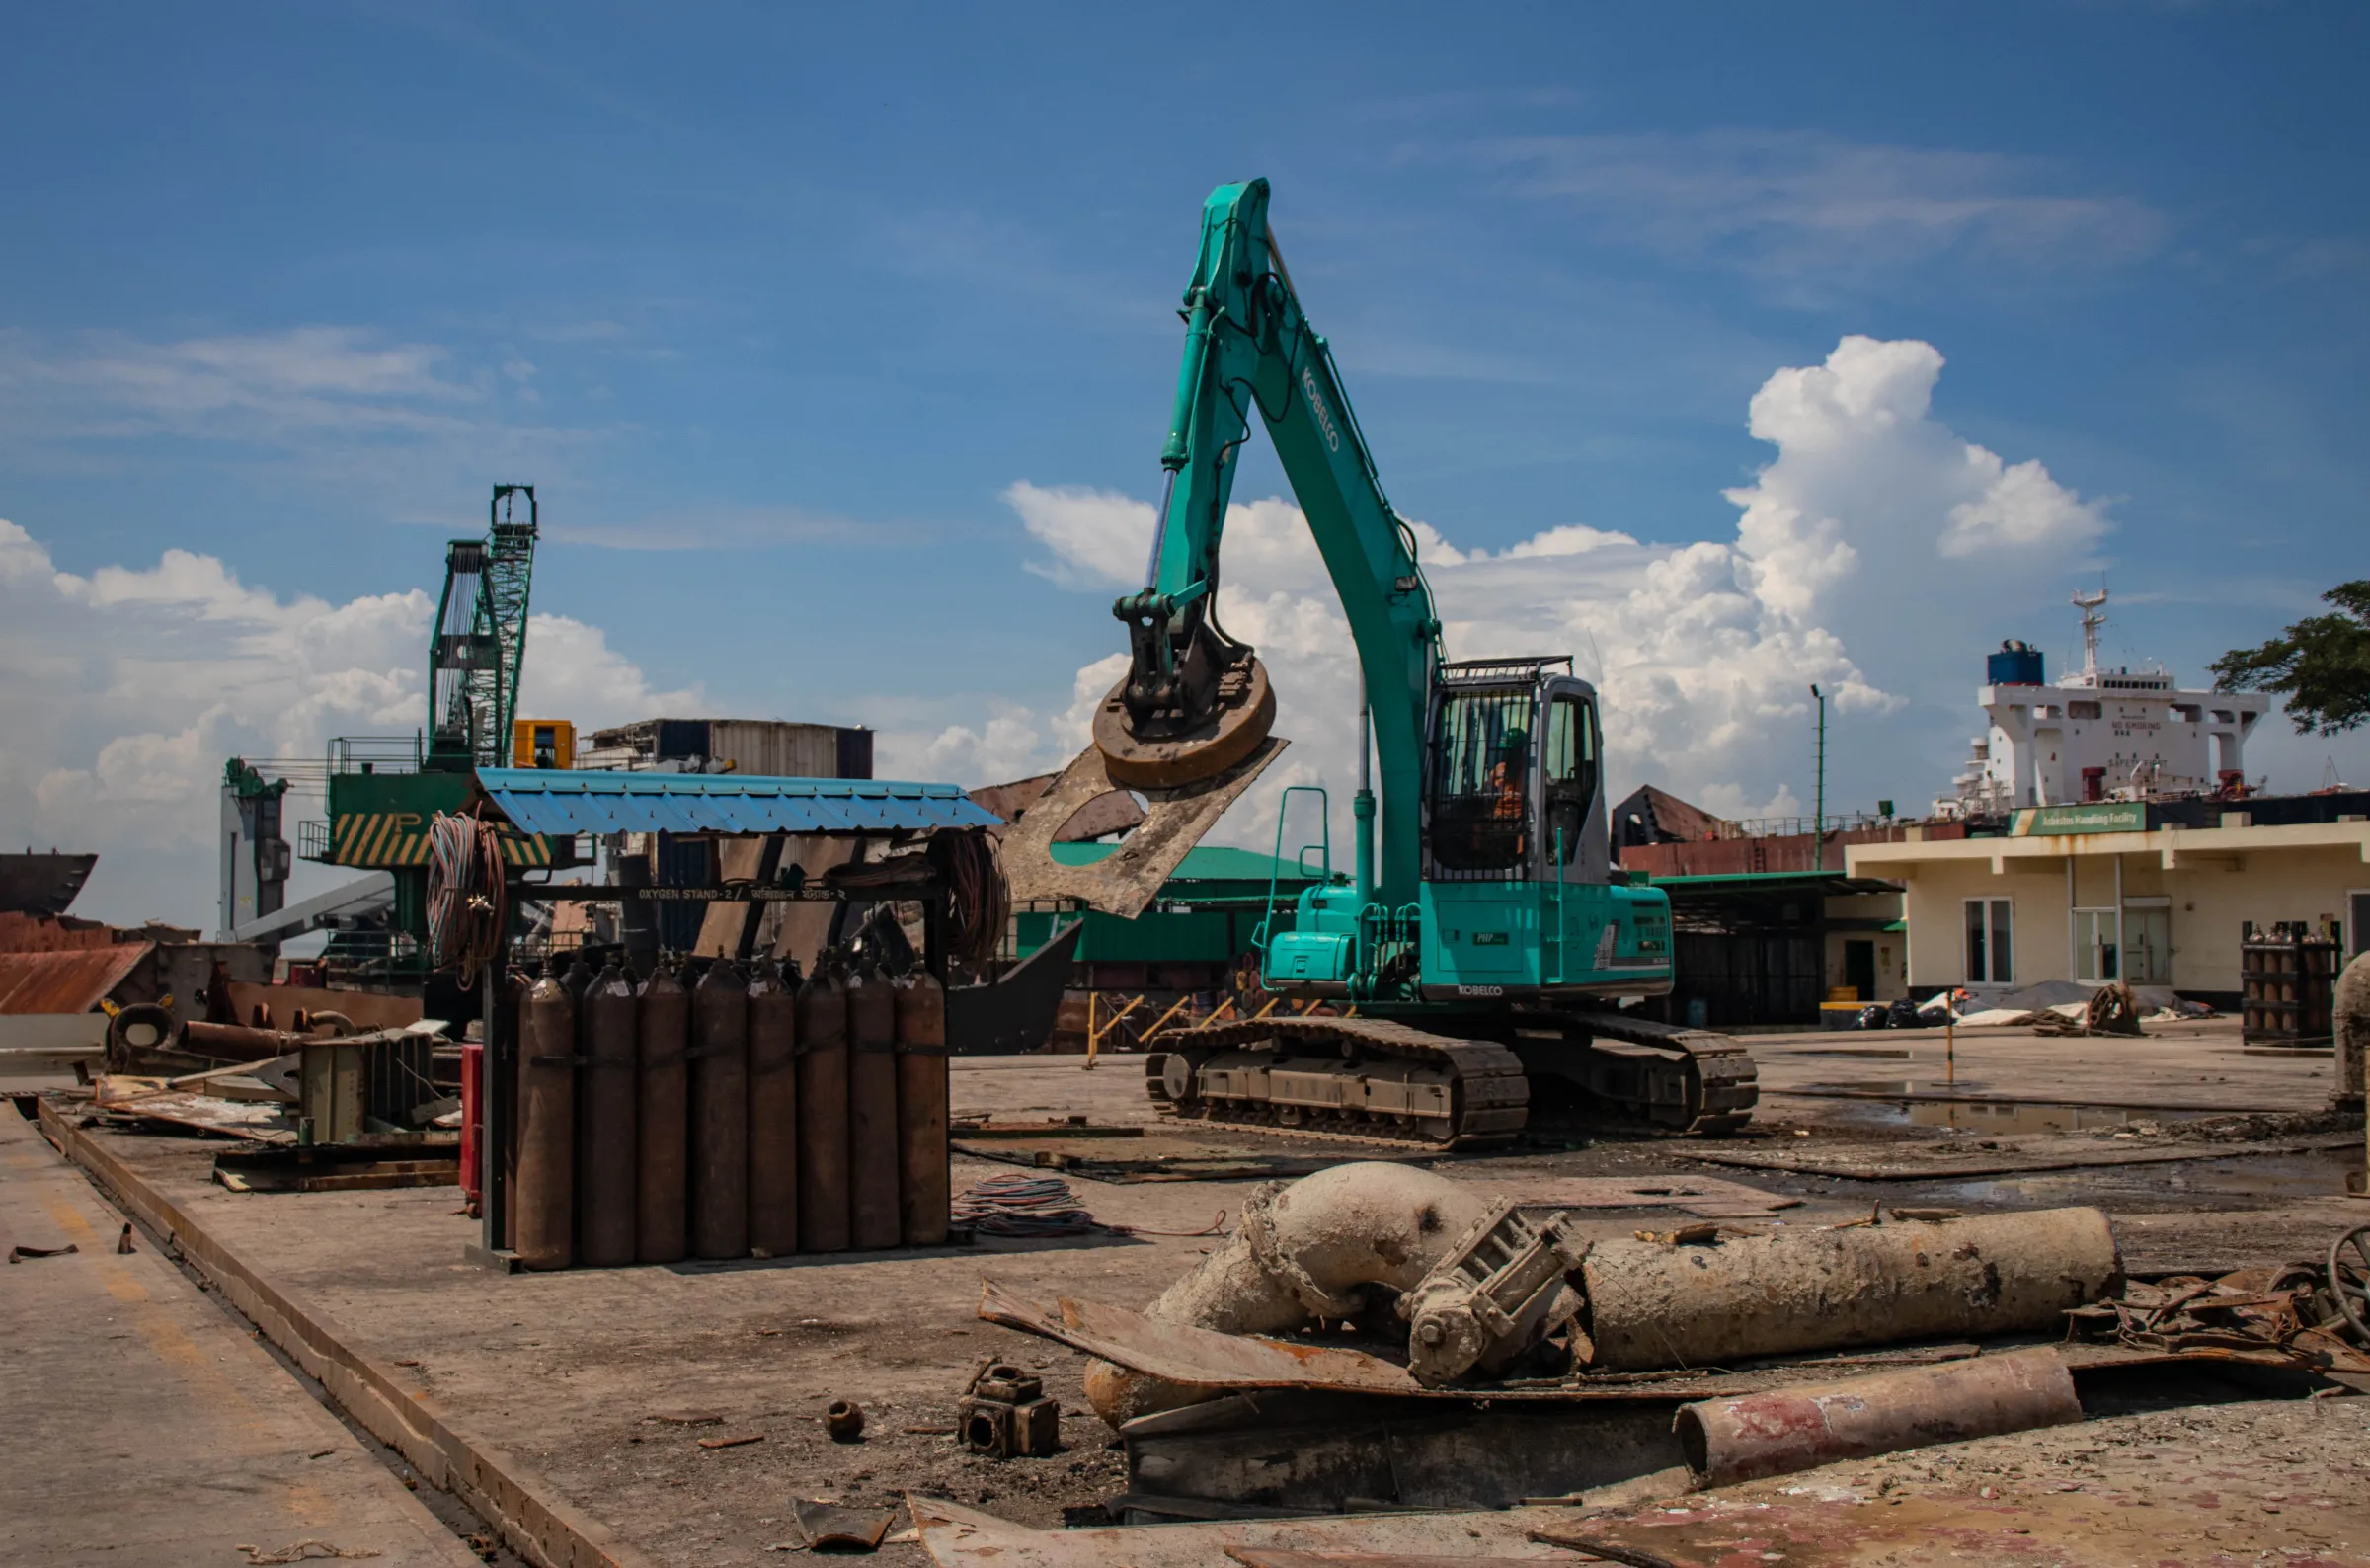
(606, 1152)
(822, 1211)
(543, 1203)
(578, 978)
(872, 1110)
(720, 1113)
(665, 1026)
(924, 1193)
(773, 1112)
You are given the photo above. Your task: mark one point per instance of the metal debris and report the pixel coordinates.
(844, 1421)
(827, 1526)
(1004, 1414)
(1784, 1429)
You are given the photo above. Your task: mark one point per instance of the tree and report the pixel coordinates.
(2321, 664)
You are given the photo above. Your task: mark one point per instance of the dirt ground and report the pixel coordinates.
(607, 1382)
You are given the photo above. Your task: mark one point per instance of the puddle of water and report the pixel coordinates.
(2277, 1178)
(2027, 1118)
(1912, 1110)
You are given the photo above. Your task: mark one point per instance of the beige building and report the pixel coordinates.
(2089, 893)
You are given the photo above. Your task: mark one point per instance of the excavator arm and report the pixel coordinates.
(1192, 693)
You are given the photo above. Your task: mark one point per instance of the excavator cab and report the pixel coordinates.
(1518, 893)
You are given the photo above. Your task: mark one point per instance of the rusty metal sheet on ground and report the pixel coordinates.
(1124, 881)
(2061, 1529)
(826, 1524)
(955, 1536)
(1202, 1356)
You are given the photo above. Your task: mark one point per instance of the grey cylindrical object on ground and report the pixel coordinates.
(606, 1147)
(823, 1202)
(665, 1026)
(719, 1098)
(544, 1201)
(923, 1197)
(874, 1219)
(773, 1112)
(1656, 1305)
(1784, 1429)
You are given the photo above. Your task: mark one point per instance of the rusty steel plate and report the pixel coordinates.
(1124, 881)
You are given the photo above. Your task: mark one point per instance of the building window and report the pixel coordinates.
(1990, 951)
(2097, 945)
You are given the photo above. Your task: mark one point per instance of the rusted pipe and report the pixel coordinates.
(1784, 1429)
(1653, 1304)
(1303, 1251)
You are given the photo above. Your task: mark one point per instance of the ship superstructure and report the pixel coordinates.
(2104, 734)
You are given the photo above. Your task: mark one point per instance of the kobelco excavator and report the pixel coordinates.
(1485, 942)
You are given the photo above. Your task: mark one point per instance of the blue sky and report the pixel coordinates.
(775, 307)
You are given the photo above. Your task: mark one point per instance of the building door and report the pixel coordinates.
(2097, 945)
(1859, 970)
(2357, 924)
(2148, 947)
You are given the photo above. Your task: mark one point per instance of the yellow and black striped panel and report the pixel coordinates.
(387, 840)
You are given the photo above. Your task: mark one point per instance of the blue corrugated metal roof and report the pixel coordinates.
(557, 801)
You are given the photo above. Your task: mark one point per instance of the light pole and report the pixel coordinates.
(1818, 824)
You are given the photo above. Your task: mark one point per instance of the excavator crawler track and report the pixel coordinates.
(1662, 1076)
(1363, 1077)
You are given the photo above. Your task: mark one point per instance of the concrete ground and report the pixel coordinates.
(144, 1425)
(607, 1382)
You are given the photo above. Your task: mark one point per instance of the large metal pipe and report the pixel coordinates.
(1653, 1304)
(606, 1151)
(822, 1201)
(665, 1027)
(923, 1187)
(1784, 1429)
(544, 1201)
(874, 1215)
(719, 1094)
(773, 1112)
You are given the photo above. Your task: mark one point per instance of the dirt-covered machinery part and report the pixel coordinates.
(1305, 1251)
(1363, 1077)
(1657, 1074)
(1497, 1292)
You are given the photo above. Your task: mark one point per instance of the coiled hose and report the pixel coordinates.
(468, 906)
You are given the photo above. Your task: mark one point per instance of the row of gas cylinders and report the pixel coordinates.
(751, 1113)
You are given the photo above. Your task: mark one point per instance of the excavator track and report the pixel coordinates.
(1690, 1081)
(1363, 1077)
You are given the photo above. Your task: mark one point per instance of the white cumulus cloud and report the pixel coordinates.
(131, 686)
(1872, 555)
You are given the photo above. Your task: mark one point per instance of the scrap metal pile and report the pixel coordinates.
(1398, 1337)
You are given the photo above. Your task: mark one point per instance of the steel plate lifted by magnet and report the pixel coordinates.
(1124, 881)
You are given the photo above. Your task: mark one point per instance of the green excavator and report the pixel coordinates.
(1478, 958)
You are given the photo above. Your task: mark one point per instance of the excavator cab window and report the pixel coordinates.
(1481, 763)
(1568, 759)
